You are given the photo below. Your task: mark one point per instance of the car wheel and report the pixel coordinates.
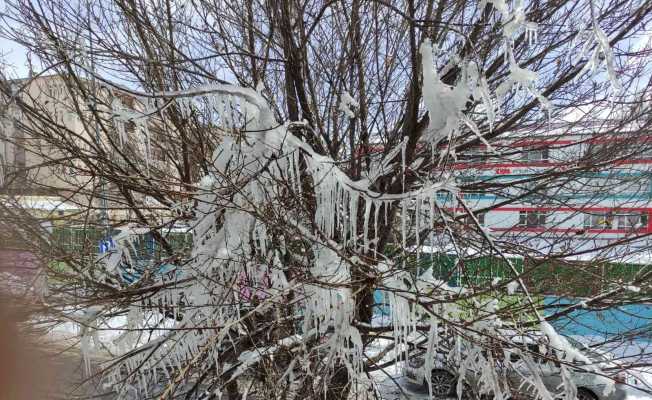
(585, 394)
(468, 393)
(442, 383)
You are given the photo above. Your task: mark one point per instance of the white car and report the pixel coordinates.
(444, 377)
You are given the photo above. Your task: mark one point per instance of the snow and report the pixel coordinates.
(561, 345)
(444, 104)
(42, 203)
(512, 287)
(229, 233)
(348, 105)
(521, 79)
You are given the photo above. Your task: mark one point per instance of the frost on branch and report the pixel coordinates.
(446, 104)
(598, 50)
(258, 159)
(237, 273)
(515, 23)
(348, 105)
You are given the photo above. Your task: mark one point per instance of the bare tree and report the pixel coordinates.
(313, 149)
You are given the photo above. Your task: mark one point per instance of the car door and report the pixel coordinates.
(521, 376)
(518, 374)
(550, 374)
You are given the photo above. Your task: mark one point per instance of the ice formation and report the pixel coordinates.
(348, 105)
(257, 155)
(597, 49)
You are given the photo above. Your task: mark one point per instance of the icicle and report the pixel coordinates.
(431, 227)
(377, 205)
(386, 205)
(353, 216)
(403, 146)
(345, 220)
(530, 30)
(367, 211)
(404, 216)
(118, 119)
(228, 117)
(417, 227)
(297, 173)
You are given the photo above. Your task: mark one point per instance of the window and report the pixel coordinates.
(610, 220)
(631, 220)
(469, 221)
(598, 220)
(535, 155)
(532, 219)
(474, 155)
(535, 190)
(20, 160)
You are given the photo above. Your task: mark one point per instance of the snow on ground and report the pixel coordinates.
(397, 388)
(390, 381)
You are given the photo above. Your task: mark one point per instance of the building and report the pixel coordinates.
(31, 166)
(24, 158)
(580, 191)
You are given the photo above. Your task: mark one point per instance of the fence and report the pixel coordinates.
(466, 272)
(579, 279)
(85, 241)
(627, 322)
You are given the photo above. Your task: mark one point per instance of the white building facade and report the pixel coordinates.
(585, 191)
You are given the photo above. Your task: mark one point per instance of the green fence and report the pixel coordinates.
(580, 279)
(85, 241)
(568, 278)
(77, 240)
(467, 272)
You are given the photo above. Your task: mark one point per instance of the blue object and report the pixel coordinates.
(381, 306)
(634, 319)
(105, 245)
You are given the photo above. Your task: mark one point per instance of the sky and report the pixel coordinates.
(10, 52)
(14, 55)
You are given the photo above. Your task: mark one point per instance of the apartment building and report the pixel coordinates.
(24, 167)
(30, 166)
(583, 190)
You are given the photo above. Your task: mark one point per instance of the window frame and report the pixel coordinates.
(607, 220)
(640, 218)
(527, 154)
(541, 219)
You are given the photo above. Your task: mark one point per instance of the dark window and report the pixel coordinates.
(535, 155)
(20, 161)
(480, 217)
(474, 155)
(532, 219)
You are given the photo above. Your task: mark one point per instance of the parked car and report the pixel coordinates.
(444, 376)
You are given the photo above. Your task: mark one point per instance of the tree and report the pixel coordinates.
(311, 148)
